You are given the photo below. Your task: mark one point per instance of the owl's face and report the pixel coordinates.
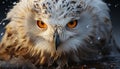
(62, 26)
(53, 26)
(63, 34)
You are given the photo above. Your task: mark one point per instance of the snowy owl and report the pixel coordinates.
(57, 31)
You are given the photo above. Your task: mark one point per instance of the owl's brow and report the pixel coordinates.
(59, 8)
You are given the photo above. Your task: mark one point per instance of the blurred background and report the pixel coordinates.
(114, 5)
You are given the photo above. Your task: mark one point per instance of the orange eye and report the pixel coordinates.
(72, 24)
(41, 24)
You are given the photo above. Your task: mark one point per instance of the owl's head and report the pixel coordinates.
(62, 26)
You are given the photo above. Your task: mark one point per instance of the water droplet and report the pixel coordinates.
(116, 5)
(84, 65)
(100, 53)
(111, 65)
(2, 34)
(104, 63)
(109, 4)
(3, 2)
(87, 26)
(3, 24)
(14, 3)
(99, 38)
(91, 42)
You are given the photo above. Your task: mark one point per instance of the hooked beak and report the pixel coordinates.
(56, 39)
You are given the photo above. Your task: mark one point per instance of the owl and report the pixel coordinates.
(57, 31)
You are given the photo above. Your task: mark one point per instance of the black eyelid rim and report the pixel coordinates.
(73, 21)
(40, 21)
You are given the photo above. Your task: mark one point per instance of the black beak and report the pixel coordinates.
(56, 39)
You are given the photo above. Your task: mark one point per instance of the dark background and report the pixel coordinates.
(114, 5)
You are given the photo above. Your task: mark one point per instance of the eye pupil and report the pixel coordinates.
(72, 24)
(41, 24)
